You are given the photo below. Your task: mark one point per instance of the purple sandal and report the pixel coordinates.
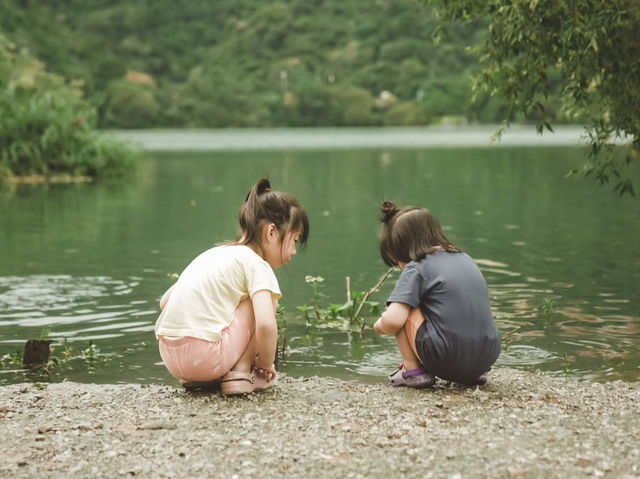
(415, 378)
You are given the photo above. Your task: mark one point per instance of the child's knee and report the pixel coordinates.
(416, 317)
(413, 323)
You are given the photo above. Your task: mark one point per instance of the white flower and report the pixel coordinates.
(313, 279)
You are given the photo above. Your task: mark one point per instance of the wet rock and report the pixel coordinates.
(36, 352)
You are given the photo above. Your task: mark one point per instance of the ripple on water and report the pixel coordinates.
(78, 307)
(377, 363)
(524, 355)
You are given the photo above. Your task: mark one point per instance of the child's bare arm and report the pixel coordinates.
(266, 330)
(393, 319)
(165, 298)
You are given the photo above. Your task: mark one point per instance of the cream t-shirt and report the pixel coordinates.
(209, 290)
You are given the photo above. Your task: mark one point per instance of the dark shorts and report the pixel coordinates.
(455, 358)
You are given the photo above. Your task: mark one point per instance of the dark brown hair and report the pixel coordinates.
(410, 234)
(264, 205)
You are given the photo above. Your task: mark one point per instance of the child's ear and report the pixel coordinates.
(271, 232)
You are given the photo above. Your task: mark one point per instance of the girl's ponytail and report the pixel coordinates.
(250, 212)
(262, 204)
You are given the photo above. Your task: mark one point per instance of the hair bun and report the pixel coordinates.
(263, 186)
(389, 210)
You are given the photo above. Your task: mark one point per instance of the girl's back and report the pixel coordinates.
(459, 334)
(454, 293)
(210, 288)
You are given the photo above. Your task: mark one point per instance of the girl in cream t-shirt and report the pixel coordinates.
(218, 321)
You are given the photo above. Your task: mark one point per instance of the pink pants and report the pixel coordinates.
(199, 360)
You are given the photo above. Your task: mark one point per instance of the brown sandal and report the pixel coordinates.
(236, 382)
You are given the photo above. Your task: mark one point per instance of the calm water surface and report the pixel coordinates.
(89, 262)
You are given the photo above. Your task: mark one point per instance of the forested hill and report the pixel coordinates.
(197, 63)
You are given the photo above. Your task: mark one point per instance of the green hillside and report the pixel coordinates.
(194, 63)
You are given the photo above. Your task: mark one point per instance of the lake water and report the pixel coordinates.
(88, 262)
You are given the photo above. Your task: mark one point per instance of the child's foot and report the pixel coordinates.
(236, 382)
(482, 380)
(414, 378)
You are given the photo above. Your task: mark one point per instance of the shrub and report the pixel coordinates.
(311, 105)
(405, 113)
(45, 125)
(130, 105)
(350, 106)
(446, 95)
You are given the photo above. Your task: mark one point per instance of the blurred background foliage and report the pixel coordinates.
(186, 63)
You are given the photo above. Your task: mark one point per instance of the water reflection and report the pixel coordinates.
(72, 308)
(89, 262)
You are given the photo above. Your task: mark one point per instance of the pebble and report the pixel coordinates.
(521, 424)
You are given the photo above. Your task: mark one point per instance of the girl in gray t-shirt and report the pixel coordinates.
(439, 310)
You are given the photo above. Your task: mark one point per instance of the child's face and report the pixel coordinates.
(279, 253)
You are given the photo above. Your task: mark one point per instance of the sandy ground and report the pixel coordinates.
(519, 425)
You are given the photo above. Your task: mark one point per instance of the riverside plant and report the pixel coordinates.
(548, 310)
(282, 332)
(90, 358)
(344, 316)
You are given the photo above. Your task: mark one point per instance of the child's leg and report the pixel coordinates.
(241, 344)
(243, 378)
(409, 357)
(406, 339)
(196, 360)
(412, 373)
(245, 362)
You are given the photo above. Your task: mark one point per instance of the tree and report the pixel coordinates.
(591, 46)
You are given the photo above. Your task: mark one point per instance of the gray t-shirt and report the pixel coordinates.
(458, 340)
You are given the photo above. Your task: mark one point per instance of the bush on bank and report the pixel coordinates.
(46, 126)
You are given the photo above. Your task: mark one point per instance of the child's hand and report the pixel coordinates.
(270, 371)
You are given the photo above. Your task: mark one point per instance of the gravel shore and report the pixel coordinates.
(519, 425)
